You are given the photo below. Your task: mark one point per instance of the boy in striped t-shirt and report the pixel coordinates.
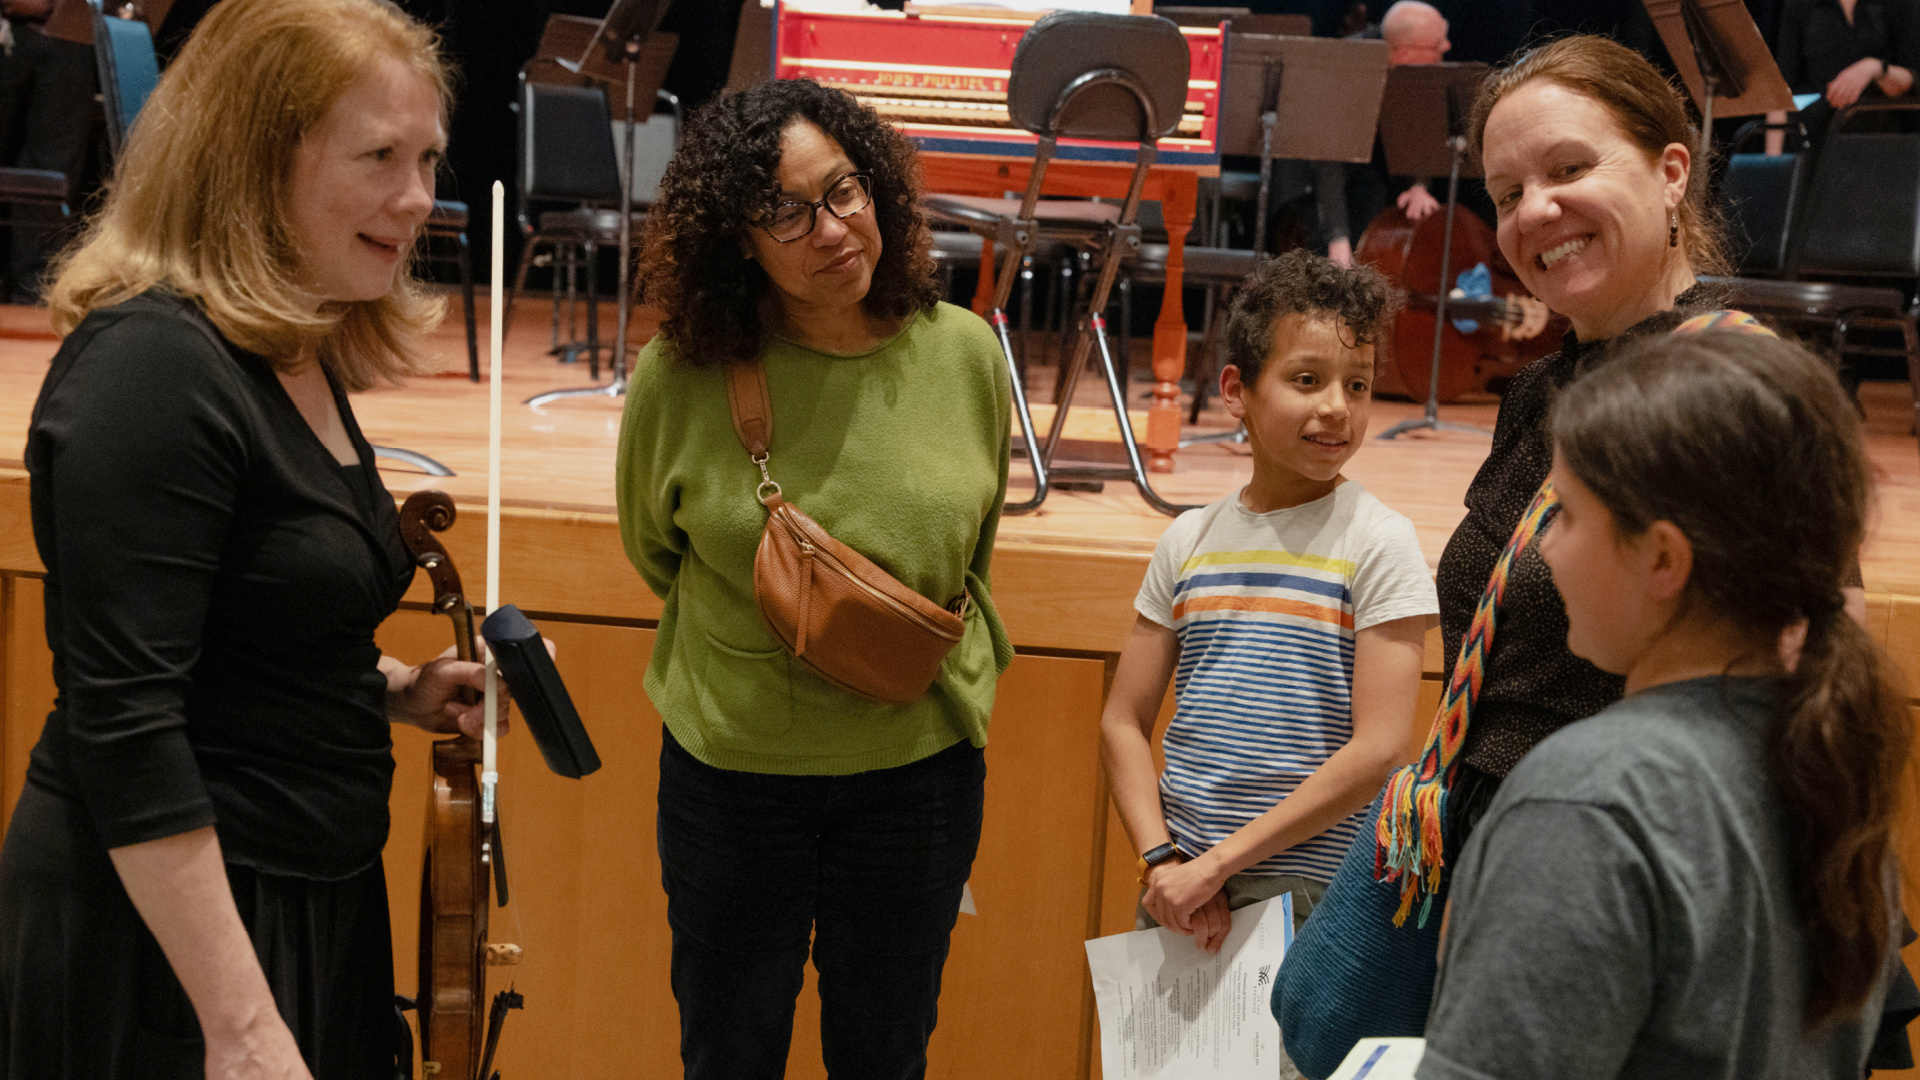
(1291, 616)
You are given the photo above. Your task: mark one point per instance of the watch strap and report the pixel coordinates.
(1158, 855)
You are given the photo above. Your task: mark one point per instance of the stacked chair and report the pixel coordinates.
(1078, 75)
(1848, 208)
(566, 157)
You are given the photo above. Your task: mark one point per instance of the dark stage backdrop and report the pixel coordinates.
(489, 39)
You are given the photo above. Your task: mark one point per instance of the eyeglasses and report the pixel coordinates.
(790, 221)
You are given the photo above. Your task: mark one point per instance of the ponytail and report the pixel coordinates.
(1840, 759)
(1748, 445)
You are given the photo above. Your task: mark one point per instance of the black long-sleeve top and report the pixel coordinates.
(1532, 685)
(214, 580)
(1817, 42)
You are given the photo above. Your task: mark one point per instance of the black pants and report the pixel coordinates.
(47, 89)
(86, 992)
(869, 866)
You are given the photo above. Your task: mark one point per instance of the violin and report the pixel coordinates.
(1514, 328)
(458, 1035)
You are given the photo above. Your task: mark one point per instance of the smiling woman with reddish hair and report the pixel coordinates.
(1602, 214)
(191, 882)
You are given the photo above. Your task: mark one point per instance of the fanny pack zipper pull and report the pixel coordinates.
(806, 597)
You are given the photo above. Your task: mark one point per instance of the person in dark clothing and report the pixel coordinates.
(1353, 194)
(50, 108)
(1846, 49)
(1838, 48)
(47, 104)
(191, 882)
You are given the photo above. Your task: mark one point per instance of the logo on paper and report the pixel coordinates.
(1266, 971)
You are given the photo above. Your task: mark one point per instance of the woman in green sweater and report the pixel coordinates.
(794, 814)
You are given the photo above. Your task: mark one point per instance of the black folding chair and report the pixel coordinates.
(567, 157)
(1080, 75)
(448, 221)
(1857, 216)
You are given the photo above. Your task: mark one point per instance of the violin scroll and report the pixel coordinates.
(423, 514)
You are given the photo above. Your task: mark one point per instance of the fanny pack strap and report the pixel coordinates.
(751, 407)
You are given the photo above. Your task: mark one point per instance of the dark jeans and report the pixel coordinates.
(869, 866)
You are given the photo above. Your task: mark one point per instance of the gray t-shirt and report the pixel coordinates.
(1626, 908)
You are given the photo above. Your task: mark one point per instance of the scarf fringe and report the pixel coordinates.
(1408, 837)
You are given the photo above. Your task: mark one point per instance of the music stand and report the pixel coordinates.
(1331, 85)
(621, 37)
(1722, 58)
(1422, 134)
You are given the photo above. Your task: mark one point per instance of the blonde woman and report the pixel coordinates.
(192, 877)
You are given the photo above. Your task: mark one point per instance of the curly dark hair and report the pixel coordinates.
(724, 177)
(1302, 283)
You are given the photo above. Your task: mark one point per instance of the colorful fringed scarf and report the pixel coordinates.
(1408, 834)
(1408, 831)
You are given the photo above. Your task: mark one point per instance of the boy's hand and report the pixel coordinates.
(1178, 889)
(1211, 923)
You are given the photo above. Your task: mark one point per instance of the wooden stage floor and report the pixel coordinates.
(560, 458)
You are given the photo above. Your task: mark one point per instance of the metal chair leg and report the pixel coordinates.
(1026, 312)
(1911, 334)
(1207, 364)
(575, 261)
(1073, 328)
(465, 259)
(591, 258)
(1136, 468)
(519, 282)
(1021, 411)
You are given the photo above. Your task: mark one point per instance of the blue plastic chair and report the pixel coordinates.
(129, 70)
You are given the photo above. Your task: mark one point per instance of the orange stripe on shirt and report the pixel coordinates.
(1264, 603)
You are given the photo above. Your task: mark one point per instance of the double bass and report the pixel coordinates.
(1514, 328)
(464, 860)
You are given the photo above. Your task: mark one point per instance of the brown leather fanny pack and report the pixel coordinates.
(850, 621)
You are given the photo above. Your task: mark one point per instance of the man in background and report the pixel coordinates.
(1415, 33)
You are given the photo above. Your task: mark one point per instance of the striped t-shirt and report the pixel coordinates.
(1266, 607)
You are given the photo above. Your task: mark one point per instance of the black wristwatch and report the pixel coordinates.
(1155, 856)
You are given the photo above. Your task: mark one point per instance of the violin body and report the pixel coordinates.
(1409, 253)
(455, 893)
(455, 889)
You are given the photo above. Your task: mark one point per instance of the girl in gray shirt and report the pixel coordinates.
(1698, 881)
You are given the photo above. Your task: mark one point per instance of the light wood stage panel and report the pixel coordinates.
(1054, 866)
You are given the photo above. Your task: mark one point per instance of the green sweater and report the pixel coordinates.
(901, 454)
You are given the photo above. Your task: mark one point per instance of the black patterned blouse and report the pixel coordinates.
(1532, 686)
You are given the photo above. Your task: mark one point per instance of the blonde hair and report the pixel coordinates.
(199, 202)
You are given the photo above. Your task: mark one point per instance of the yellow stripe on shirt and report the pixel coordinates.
(1343, 567)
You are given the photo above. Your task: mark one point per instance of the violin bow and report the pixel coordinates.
(490, 735)
(489, 742)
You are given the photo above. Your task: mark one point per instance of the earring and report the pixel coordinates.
(1673, 229)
